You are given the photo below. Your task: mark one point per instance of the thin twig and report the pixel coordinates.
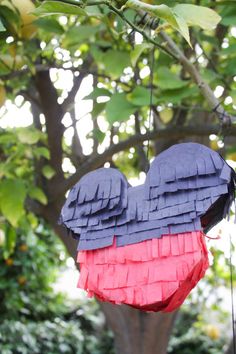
(120, 13)
(203, 86)
(97, 160)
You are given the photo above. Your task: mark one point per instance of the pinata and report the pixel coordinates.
(144, 246)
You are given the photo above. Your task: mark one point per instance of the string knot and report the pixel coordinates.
(223, 116)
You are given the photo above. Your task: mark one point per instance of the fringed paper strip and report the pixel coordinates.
(154, 275)
(188, 187)
(144, 246)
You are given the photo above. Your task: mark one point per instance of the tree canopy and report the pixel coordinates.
(101, 79)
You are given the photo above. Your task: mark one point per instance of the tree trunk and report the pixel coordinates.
(137, 332)
(232, 347)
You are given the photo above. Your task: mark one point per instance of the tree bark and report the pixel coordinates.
(138, 332)
(53, 113)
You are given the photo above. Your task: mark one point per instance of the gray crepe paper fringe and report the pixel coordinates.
(188, 187)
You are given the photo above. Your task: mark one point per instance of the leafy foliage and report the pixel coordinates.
(195, 341)
(34, 318)
(27, 276)
(18, 153)
(180, 16)
(52, 337)
(51, 53)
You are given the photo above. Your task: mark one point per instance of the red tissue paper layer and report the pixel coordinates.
(153, 275)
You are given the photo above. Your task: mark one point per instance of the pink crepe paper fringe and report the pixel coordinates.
(153, 275)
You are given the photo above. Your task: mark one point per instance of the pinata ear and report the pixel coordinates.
(193, 181)
(98, 196)
(221, 208)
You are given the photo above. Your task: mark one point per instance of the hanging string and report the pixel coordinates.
(153, 26)
(218, 237)
(225, 121)
(223, 116)
(151, 97)
(146, 21)
(232, 296)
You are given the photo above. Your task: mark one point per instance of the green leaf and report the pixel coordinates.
(97, 53)
(77, 34)
(229, 20)
(118, 109)
(10, 240)
(28, 135)
(163, 12)
(58, 8)
(228, 14)
(208, 75)
(2, 28)
(38, 194)
(10, 17)
(167, 80)
(6, 138)
(96, 134)
(138, 50)
(4, 70)
(12, 197)
(231, 50)
(195, 15)
(140, 96)
(48, 171)
(97, 109)
(182, 27)
(33, 220)
(233, 95)
(176, 96)
(228, 66)
(115, 62)
(3, 169)
(99, 135)
(181, 16)
(49, 25)
(93, 11)
(166, 115)
(42, 152)
(98, 92)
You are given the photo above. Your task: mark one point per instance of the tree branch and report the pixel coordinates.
(120, 13)
(231, 348)
(205, 89)
(53, 114)
(83, 72)
(76, 148)
(98, 160)
(69, 101)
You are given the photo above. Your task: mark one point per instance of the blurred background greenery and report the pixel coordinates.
(75, 96)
